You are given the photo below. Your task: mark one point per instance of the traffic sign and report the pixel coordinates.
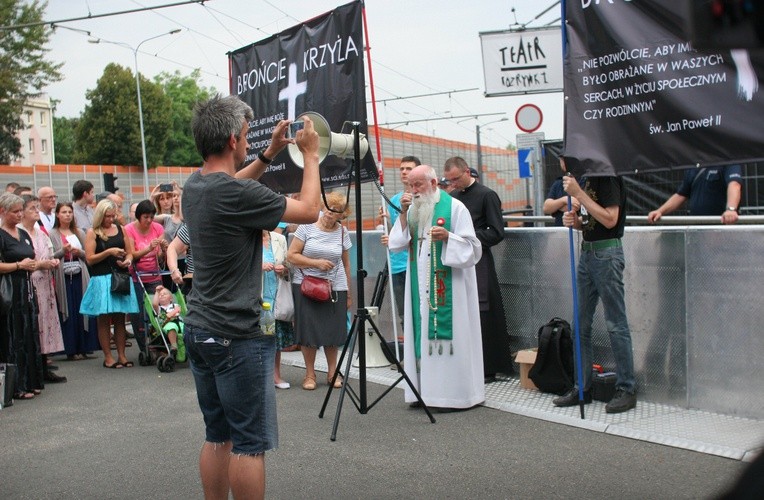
(528, 118)
(525, 162)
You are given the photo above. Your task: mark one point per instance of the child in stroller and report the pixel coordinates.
(164, 312)
(168, 318)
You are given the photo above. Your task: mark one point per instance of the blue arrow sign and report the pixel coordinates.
(525, 161)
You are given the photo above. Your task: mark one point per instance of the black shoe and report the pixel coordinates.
(621, 402)
(52, 368)
(570, 398)
(489, 379)
(53, 378)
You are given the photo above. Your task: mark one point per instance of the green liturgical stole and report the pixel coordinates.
(438, 289)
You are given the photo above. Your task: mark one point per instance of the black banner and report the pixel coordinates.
(638, 97)
(314, 66)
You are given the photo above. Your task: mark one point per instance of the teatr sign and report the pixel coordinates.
(522, 62)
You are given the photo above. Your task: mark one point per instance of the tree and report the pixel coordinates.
(64, 138)
(185, 92)
(24, 71)
(109, 131)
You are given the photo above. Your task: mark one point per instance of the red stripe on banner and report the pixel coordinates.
(373, 97)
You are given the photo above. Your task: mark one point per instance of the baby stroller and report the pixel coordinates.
(158, 349)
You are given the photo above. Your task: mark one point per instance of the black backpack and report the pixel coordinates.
(553, 369)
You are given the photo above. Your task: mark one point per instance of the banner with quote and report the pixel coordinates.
(313, 66)
(638, 97)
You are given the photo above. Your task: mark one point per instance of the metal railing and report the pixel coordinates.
(666, 220)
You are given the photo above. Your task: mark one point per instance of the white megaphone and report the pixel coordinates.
(375, 357)
(329, 143)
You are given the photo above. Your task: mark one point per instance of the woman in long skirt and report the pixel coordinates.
(80, 332)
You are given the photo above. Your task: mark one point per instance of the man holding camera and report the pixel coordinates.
(231, 358)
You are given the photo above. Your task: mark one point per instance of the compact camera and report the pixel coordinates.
(294, 127)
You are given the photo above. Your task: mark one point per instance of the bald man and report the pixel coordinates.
(48, 200)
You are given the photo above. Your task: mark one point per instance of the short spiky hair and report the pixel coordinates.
(411, 159)
(215, 120)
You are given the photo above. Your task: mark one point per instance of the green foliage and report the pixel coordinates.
(109, 131)
(185, 92)
(64, 137)
(24, 71)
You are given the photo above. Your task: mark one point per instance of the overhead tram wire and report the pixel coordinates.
(425, 95)
(441, 118)
(96, 16)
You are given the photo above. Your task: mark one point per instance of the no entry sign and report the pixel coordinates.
(528, 118)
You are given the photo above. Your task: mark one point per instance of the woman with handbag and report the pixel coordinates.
(80, 332)
(48, 325)
(320, 252)
(149, 248)
(110, 294)
(278, 292)
(20, 340)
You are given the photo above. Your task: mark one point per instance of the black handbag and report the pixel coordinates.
(6, 291)
(120, 282)
(9, 383)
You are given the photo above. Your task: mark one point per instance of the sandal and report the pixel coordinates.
(309, 383)
(23, 395)
(128, 364)
(113, 365)
(337, 382)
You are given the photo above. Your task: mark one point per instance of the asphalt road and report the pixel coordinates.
(136, 433)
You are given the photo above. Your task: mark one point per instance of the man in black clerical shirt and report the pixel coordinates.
(485, 207)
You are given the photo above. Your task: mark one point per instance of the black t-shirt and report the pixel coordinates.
(606, 192)
(225, 217)
(109, 263)
(14, 250)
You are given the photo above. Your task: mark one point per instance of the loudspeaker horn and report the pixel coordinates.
(329, 143)
(375, 357)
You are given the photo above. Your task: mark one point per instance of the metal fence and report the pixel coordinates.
(693, 300)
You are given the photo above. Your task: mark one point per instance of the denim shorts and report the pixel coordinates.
(234, 386)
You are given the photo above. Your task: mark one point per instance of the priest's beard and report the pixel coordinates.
(420, 213)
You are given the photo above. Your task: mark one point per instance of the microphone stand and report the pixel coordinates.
(360, 399)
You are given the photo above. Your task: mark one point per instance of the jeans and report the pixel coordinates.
(600, 276)
(234, 387)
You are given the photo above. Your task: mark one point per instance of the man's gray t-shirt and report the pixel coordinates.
(225, 218)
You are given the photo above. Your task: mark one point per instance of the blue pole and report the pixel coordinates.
(576, 322)
(571, 250)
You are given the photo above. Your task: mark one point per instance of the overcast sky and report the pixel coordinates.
(417, 47)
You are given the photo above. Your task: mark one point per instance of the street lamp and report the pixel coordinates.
(140, 103)
(479, 151)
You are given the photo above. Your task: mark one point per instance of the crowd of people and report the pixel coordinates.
(58, 258)
(65, 261)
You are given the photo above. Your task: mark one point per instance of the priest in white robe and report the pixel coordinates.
(443, 353)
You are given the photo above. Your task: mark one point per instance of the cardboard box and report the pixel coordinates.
(525, 359)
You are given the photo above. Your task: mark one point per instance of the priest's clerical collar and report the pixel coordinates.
(469, 187)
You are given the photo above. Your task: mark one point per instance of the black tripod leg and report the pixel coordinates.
(390, 355)
(349, 342)
(344, 388)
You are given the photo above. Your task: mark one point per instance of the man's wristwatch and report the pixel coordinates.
(261, 156)
(732, 209)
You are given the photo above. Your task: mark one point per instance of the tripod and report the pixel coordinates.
(360, 399)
